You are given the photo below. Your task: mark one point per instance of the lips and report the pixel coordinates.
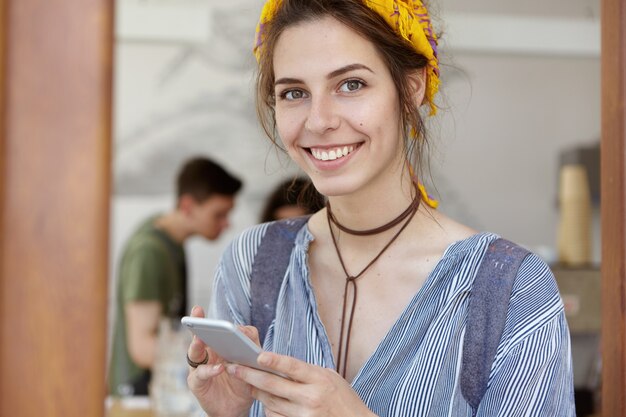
(331, 154)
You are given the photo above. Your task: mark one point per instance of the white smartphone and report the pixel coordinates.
(226, 340)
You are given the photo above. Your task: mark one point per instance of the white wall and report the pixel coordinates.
(508, 116)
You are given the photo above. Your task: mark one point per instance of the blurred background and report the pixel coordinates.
(517, 133)
(521, 87)
(520, 100)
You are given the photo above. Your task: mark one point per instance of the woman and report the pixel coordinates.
(292, 198)
(372, 312)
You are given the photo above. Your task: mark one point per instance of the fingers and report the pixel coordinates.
(304, 387)
(264, 381)
(198, 351)
(197, 311)
(198, 378)
(270, 413)
(274, 406)
(252, 333)
(286, 365)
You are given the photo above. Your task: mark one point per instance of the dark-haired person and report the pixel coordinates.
(292, 198)
(151, 281)
(375, 312)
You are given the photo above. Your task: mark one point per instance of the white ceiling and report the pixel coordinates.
(553, 27)
(540, 8)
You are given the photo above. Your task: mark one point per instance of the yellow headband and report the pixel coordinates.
(408, 18)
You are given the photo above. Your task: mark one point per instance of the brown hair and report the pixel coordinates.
(295, 192)
(202, 178)
(400, 57)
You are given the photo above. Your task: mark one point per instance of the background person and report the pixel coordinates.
(152, 275)
(292, 198)
(372, 314)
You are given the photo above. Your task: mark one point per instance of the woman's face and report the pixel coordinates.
(337, 109)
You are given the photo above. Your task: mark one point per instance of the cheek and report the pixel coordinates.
(373, 121)
(382, 121)
(374, 111)
(288, 123)
(208, 221)
(284, 134)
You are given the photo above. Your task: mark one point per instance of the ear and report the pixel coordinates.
(417, 83)
(186, 203)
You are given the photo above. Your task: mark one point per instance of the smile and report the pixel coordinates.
(332, 153)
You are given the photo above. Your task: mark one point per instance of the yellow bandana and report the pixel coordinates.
(408, 18)
(426, 197)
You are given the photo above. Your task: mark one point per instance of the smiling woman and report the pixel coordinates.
(378, 311)
(58, 356)
(343, 99)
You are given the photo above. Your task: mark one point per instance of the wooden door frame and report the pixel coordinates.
(55, 158)
(613, 209)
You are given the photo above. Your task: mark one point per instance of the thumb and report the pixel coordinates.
(252, 333)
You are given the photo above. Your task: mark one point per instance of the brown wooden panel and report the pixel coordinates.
(56, 90)
(3, 51)
(613, 209)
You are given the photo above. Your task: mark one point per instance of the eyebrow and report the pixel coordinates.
(348, 68)
(331, 75)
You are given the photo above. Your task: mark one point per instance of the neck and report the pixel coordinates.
(173, 225)
(374, 208)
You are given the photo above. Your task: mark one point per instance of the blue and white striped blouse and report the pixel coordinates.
(415, 369)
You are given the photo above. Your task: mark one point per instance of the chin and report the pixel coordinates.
(210, 236)
(331, 188)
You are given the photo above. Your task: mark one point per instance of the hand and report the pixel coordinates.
(219, 394)
(310, 391)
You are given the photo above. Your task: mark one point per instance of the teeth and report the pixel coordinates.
(331, 154)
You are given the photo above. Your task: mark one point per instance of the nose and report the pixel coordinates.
(322, 115)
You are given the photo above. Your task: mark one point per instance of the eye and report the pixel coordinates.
(351, 85)
(293, 94)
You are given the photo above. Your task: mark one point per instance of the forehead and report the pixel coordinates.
(218, 202)
(322, 45)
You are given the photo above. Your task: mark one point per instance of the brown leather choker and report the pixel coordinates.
(409, 210)
(342, 356)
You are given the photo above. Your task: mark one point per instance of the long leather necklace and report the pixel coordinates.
(342, 355)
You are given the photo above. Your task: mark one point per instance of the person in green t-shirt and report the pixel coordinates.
(151, 280)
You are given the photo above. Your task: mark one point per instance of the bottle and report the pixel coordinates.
(574, 232)
(169, 394)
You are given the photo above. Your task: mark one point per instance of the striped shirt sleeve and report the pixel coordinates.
(532, 373)
(231, 287)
